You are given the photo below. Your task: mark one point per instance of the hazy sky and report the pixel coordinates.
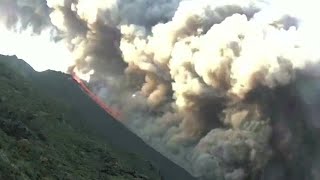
(36, 50)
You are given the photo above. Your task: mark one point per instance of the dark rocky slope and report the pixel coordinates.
(88, 119)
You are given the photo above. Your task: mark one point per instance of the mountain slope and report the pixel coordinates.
(86, 116)
(38, 143)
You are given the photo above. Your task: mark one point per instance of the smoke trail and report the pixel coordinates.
(210, 84)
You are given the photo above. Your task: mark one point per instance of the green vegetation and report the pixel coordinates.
(38, 141)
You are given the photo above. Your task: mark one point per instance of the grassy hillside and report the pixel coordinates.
(38, 140)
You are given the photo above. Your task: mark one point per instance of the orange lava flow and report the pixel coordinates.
(114, 113)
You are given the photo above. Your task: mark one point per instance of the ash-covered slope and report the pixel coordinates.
(88, 117)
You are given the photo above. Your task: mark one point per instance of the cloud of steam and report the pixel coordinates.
(196, 79)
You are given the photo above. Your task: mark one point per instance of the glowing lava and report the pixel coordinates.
(113, 112)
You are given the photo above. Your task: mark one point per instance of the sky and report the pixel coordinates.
(37, 50)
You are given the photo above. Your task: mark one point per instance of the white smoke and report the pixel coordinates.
(182, 71)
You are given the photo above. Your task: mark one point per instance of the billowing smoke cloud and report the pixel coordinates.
(202, 81)
(29, 13)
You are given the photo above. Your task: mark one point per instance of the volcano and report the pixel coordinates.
(90, 115)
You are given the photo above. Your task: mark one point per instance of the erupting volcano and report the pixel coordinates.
(208, 83)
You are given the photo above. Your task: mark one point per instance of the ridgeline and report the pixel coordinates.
(50, 129)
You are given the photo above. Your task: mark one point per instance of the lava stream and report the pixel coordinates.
(114, 113)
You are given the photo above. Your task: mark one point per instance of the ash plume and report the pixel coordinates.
(210, 84)
(19, 15)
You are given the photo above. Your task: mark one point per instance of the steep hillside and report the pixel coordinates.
(86, 117)
(37, 141)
